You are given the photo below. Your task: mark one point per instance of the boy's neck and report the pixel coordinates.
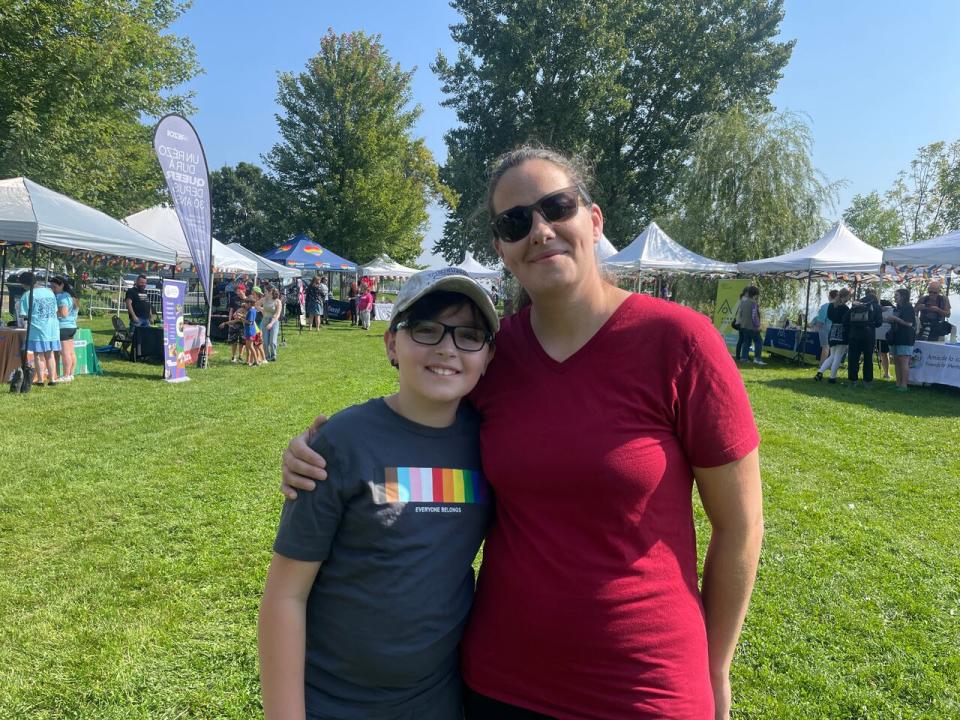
(423, 412)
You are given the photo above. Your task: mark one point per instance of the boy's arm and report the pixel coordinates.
(282, 637)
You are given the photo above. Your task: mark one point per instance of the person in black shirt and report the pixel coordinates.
(902, 336)
(837, 338)
(138, 305)
(861, 322)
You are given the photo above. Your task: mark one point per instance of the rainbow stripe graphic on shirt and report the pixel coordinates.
(434, 485)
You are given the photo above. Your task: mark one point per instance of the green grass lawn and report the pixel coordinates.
(136, 519)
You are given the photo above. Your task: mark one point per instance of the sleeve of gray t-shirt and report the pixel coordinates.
(309, 523)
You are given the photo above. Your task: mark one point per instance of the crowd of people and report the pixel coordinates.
(253, 323)
(862, 329)
(254, 314)
(858, 331)
(53, 324)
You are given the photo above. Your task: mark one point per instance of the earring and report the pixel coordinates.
(393, 361)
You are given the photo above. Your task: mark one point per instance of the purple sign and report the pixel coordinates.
(185, 167)
(174, 358)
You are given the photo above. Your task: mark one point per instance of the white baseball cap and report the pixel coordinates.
(450, 280)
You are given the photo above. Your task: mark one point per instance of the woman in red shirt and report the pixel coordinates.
(600, 411)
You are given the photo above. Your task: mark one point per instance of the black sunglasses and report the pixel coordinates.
(514, 224)
(429, 332)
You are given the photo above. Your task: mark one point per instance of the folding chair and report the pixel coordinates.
(121, 335)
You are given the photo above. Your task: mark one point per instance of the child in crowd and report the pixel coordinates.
(371, 579)
(234, 326)
(365, 306)
(252, 337)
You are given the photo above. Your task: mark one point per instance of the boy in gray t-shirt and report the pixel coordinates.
(372, 572)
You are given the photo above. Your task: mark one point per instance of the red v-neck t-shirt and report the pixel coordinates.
(587, 603)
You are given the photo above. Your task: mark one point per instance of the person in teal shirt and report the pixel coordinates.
(68, 306)
(822, 325)
(44, 338)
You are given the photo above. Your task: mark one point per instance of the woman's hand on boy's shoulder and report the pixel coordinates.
(302, 466)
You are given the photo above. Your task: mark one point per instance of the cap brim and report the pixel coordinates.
(458, 284)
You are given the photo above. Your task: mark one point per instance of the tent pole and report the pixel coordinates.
(206, 338)
(806, 313)
(3, 278)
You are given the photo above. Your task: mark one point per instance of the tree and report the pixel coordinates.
(347, 157)
(249, 208)
(873, 221)
(76, 79)
(927, 196)
(749, 191)
(624, 83)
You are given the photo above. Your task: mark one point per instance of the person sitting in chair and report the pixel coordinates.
(933, 310)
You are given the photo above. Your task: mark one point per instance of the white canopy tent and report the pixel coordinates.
(655, 251)
(837, 251)
(941, 252)
(30, 213)
(385, 266)
(161, 224)
(605, 248)
(475, 270)
(266, 268)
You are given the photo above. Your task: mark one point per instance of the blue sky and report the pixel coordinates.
(876, 79)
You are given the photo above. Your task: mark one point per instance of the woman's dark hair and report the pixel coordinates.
(904, 293)
(429, 307)
(752, 291)
(832, 295)
(67, 288)
(28, 279)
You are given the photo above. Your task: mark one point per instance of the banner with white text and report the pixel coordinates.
(185, 169)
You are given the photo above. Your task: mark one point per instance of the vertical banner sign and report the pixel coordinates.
(184, 166)
(728, 297)
(174, 359)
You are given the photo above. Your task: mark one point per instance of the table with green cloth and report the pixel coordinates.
(87, 362)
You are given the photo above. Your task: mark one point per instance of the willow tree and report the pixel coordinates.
(749, 190)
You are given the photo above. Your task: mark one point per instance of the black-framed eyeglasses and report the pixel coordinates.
(514, 224)
(430, 332)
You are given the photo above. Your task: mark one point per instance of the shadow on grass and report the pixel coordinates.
(120, 369)
(931, 401)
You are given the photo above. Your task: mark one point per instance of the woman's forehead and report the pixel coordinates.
(528, 182)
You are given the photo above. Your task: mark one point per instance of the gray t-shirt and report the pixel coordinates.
(397, 525)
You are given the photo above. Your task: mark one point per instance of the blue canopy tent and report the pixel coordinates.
(303, 253)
